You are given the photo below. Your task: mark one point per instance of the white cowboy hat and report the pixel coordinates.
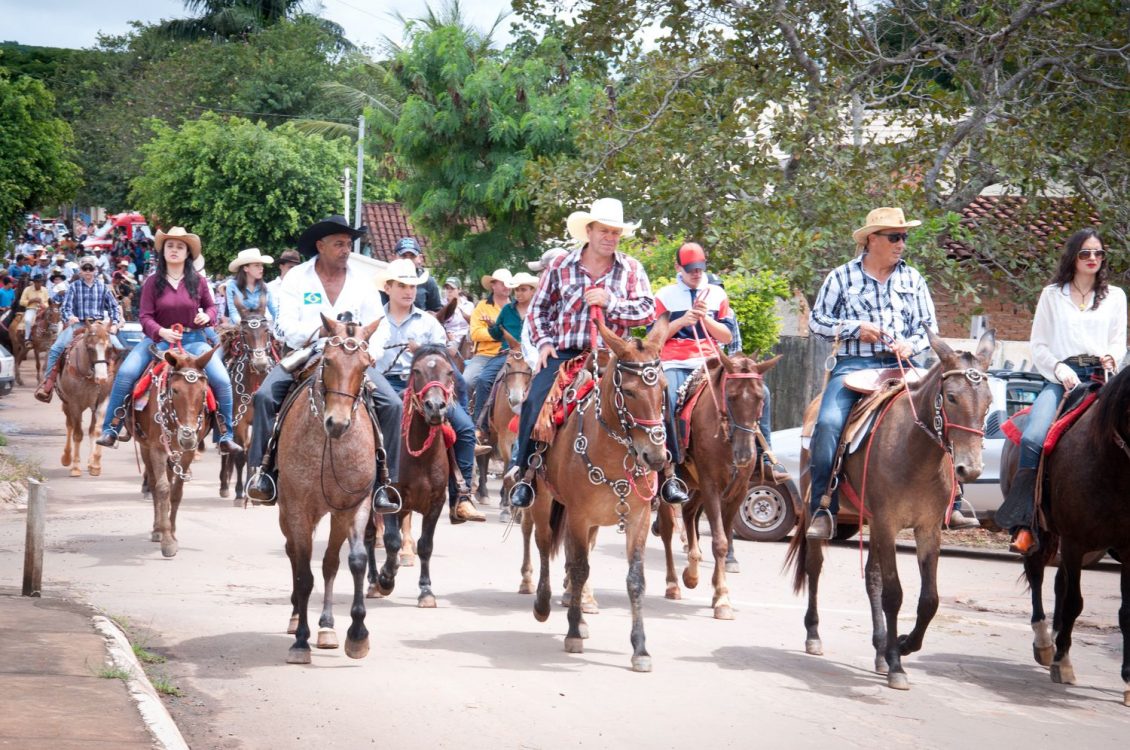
(179, 233)
(522, 279)
(550, 255)
(500, 274)
(882, 218)
(402, 270)
(607, 211)
(250, 255)
(60, 287)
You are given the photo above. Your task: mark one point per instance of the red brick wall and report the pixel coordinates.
(1012, 321)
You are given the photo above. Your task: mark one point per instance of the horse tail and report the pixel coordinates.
(797, 554)
(556, 527)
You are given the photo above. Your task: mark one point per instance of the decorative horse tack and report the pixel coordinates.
(166, 413)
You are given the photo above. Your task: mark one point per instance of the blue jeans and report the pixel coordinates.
(1042, 415)
(834, 409)
(485, 382)
(464, 437)
(134, 365)
(676, 376)
(65, 337)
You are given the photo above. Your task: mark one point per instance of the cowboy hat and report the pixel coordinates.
(248, 256)
(882, 218)
(550, 255)
(402, 270)
(88, 260)
(500, 274)
(522, 279)
(607, 211)
(179, 233)
(453, 282)
(336, 224)
(289, 256)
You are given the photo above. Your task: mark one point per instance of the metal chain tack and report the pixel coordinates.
(166, 413)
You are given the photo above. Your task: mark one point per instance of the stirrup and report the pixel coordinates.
(389, 491)
(272, 498)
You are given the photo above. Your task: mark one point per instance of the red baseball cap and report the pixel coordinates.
(691, 256)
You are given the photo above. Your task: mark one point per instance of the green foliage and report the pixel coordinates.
(239, 184)
(753, 296)
(36, 167)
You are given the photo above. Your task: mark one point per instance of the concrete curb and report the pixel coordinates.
(153, 712)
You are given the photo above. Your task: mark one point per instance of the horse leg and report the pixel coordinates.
(426, 599)
(408, 542)
(299, 545)
(1070, 568)
(883, 547)
(667, 534)
(527, 584)
(732, 564)
(482, 464)
(577, 568)
(636, 541)
(327, 638)
(176, 492)
(720, 545)
(240, 488)
(694, 551)
(813, 556)
(65, 459)
(94, 468)
(542, 538)
(1124, 624)
(928, 542)
(225, 475)
(386, 578)
(357, 637)
(589, 605)
(159, 486)
(75, 430)
(874, 584)
(1043, 648)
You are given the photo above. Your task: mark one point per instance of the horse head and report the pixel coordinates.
(185, 398)
(633, 392)
(741, 396)
(431, 380)
(516, 374)
(345, 357)
(962, 401)
(95, 345)
(255, 335)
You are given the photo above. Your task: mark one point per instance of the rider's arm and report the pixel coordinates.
(638, 307)
(207, 302)
(825, 320)
(1117, 346)
(479, 332)
(229, 295)
(922, 316)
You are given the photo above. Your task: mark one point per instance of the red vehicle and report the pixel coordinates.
(131, 222)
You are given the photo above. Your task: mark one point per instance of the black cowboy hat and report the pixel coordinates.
(330, 225)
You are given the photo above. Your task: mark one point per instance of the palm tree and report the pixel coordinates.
(222, 20)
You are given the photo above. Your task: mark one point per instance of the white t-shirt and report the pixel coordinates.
(1061, 330)
(302, 301)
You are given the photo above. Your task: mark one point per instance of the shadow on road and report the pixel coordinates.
(513, 650)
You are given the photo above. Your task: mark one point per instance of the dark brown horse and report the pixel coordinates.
(83, 385)
(1087, 481)
(326, 447)
(511, 387)
(718, 467)
(907, 471)
(43, 332)
(249, 356)
(168, 429)
(601, 470)
(426, 464)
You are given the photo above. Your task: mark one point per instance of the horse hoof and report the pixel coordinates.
(527, 587)
(590, 607)
(541, 612)
(155, 536)
(1064, 674)
(724, 612)
(641, 663)
(426, 601)
(224, 493)
(374, 592)
(407, 561)
(94, 471)
(574, 645)
(327, 638)
(690, 581)
(292, 627)
(583, 629)
(238, 502)
(76, 471)
(65, 460)
(169, 549)
(298, 656)
(881, 664)
(1043, 655)
(673, 592)
(733, 566)
(814, 647)
(356, 649)
(385, 585)
(898, 681)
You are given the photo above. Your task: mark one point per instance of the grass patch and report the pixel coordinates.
(165, 686)
(113, 673)
(147, 657)
(18, 470)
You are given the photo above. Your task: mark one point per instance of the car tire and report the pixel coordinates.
(766, 514)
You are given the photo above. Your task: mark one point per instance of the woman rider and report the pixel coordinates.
(1079, 331)
(248, 287)
(175, 294)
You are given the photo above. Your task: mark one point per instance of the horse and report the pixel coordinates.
(725, 424)
(336, 478)
(250, 355)
(43, 332)
(84, 384)
(168, 429)
(513, 380)
(426, 458)
(916, 467)
(601, 470)
(1086, 481)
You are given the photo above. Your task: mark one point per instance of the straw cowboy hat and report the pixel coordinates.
(522, 279)
(550, 255)
(289, 256)
(607, 211)
(179, 233)
(882, 218)
(336, 224)
(402, 270)
(248, 256)
(500, 274)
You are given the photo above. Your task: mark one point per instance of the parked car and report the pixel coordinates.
(7, 371)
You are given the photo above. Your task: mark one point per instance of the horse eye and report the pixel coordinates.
(951, 398)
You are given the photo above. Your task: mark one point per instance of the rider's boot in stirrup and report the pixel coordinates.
(264, 490)
(47, 389)
(383, 500)
(674, 490)
(521, 491)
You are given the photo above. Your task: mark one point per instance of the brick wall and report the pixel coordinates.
(1012, 321)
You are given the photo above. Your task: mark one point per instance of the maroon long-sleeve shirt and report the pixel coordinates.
(173, 306)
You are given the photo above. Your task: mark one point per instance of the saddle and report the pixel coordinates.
(575, 379)
(1076, 405)
(863, 415)
(685, 402)
(158, 371)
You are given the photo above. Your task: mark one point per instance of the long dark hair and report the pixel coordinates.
(191, 278)
(1065, 273)
(241, 280)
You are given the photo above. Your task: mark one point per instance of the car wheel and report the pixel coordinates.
(845, 531)
(766, 514)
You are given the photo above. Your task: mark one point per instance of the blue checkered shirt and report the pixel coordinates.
(93, 302)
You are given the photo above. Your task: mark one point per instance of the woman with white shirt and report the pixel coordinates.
(1079, 331)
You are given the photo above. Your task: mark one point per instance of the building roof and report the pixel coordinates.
(387, 223)
(1032, 227)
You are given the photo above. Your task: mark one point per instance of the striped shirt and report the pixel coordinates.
(388, 344)
(558, 313)
(901, 306)
(688, 347)
(90, 302)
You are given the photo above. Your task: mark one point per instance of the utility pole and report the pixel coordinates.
(346, 183)
(358, 217)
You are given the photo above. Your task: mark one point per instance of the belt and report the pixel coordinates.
(1084, 360)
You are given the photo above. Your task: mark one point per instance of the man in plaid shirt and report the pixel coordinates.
(88, 298)
(599, 275)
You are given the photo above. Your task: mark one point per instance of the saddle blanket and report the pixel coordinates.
(1013, 432)
(557, 408)
(159, 370)
(688, 397)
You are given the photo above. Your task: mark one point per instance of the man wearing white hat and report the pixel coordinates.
(595, 275)
(878, 309)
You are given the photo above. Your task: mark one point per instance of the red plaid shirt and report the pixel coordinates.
(558, 313)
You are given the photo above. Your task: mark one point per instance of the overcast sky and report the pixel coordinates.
(76, 23)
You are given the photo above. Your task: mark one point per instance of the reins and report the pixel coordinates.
(412, 405)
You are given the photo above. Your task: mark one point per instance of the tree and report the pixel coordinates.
(238, 19)
(35, 151)
(239, 184)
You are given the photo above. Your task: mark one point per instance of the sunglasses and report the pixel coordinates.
(1088, 254)
(894, 237)
(86, 268)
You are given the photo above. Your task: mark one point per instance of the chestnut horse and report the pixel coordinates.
(1087, 480)
(43, 332)
(925, 441)
(601, 470)
(84, 384)
(426, 464)
(724, 423)
(249, 356)
(513, 382)
(335, 478)
(168, 429)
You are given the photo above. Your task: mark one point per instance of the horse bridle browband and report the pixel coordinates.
(942, 423)
(350, 344)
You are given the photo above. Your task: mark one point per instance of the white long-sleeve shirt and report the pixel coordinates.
(303, 299)
(1061, 330)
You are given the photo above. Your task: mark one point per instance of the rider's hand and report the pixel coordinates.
(168, 334)
(1066, 376)
(201, 319)
(597, 297)
(1109, 363)
(869, 333)
(544, 353)
(902, 349)
(72, 320)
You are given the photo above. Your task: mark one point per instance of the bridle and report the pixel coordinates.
(166, 413)
(246, 349)
(412, 405)
(95, 361)
(317, 395)
(732, 424)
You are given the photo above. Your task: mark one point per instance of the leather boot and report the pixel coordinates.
(382, 503)
(673, 491)
(229, 447)
(107, 439)
(264, 490)
(465, 510)
(822, 527)
(1016, 512)
(521, 493)
(47, 389)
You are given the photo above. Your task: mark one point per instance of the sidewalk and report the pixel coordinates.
(55, 658)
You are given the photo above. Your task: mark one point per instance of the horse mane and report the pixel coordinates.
(429, 350)
(1114, 399)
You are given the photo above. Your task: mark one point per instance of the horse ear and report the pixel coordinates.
(262, 303)
(239, 306)
(767, 365)
(512, 342)
(615, 343)
(726, 362)
(327, 324)
(169, 357)
(660, 330)
(986, 347)
(941, 348)
(367, 332)
(202, 361)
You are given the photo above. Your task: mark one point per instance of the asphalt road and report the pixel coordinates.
(479, 671)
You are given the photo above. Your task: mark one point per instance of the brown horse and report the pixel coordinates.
(426, 459)
(1087, 479)
(335, 478)
(513, 381)
(928, 440)
(249, 356)
(84, 384)
(43, 332)
(724, 422)
(601, 470)
(169, 427)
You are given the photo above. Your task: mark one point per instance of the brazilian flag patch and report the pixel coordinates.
(312, 298)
